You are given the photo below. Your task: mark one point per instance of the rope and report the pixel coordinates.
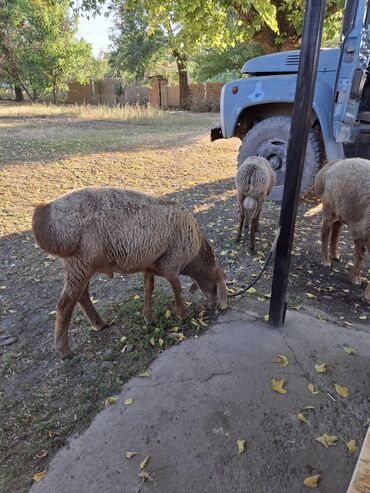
(267, 261)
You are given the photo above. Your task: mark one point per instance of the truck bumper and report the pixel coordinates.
(216, 133)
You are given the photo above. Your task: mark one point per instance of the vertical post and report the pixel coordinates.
(312, 32)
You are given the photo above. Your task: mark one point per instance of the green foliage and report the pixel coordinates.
(38, 46)
(212, 65)
(135, 48)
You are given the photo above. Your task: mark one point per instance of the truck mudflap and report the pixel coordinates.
(216, 133)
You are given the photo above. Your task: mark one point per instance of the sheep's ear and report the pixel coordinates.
(193, 287)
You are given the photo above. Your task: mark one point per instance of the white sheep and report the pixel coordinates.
(114, 230)
(254, 181)
(344, 188)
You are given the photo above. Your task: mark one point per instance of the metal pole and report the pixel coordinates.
(312, 32)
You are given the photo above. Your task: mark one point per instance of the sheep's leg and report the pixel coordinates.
(254, 225)
(242, 219)
(66, 303)
(325, 235)
(177, 289)
(367, 292)
(335, 231)
(148, 291)
(88, 308)
(360, 254)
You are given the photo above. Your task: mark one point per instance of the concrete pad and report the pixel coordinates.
(209, 392)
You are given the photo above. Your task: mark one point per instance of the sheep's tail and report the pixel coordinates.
(53, 238)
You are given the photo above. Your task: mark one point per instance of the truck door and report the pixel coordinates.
(352, 70)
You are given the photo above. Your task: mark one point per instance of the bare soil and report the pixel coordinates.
(44, 154)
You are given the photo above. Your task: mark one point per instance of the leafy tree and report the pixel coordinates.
(39, 50)
(212, 64)
(134, 47)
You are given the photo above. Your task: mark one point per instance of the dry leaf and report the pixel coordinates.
(312, 481)
(349, 350)
(265, 318)
(313, 389)
(160, 342)
(145, 373)
(40, 455)
(301, 417)
(309, 407)
(321, 368)
(168, 314)
(327, 440)
(152, 342)
(145, 476)
(136, 297)
(310, 295)
(282, 360)
(251, 290)
(39, 475)
(109, 401)
(144, 462)
(53, 434)
(241, 446)
(128, 401)
(343, 391)
(277, 386)
(362, 317)
(129, 455)
(351, 445)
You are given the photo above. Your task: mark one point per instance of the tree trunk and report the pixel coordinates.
(54, 94)
(18, 93)
(183, 80)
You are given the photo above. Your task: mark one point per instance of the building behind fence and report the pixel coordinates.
(203, 97)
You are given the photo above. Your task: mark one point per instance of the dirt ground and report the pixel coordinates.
(45, 152)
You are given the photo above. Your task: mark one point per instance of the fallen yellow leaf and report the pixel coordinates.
(313, 389)
(241, 446)
(343, 391)
(136, 297)
(327, 440)
(145, 476)
(152, 342)
(309, 407)
(265, 318)
(128, 401)
(282, 360)
(278, 386)
(312, 481)
(39, 475)
(321, 368)
(109, 401)
(301, 417)
(160, 342)
(351, 445)
(40, 455)
(129, 455)
(251, 290)
(349, 350)
(362, 317)
(144, 462)
(145, 373)
(168, 314)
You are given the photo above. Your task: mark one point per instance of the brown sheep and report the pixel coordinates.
(114, 230)
(254, 181)
(344, 188)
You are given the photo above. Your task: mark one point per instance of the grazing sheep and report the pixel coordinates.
(114, 230)
(254, 181)
(344, 188)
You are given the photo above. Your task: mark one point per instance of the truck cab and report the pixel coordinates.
(257, 107)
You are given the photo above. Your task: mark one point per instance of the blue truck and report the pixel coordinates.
(257, 107)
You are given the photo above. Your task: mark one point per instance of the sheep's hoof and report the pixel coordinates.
(149, 319)
(336, 258)
(102, 324)
(326, 263)
(356, 280)
(238, 239)
(65, 353)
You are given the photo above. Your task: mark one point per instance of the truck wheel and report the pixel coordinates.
(269, 139)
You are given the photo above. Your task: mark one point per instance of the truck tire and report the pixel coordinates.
(269, 139)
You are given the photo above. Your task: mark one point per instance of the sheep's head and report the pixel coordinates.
(213, 287)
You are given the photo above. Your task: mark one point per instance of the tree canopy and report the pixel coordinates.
(39, 50)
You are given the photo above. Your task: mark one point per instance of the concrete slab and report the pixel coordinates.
(209, 392)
